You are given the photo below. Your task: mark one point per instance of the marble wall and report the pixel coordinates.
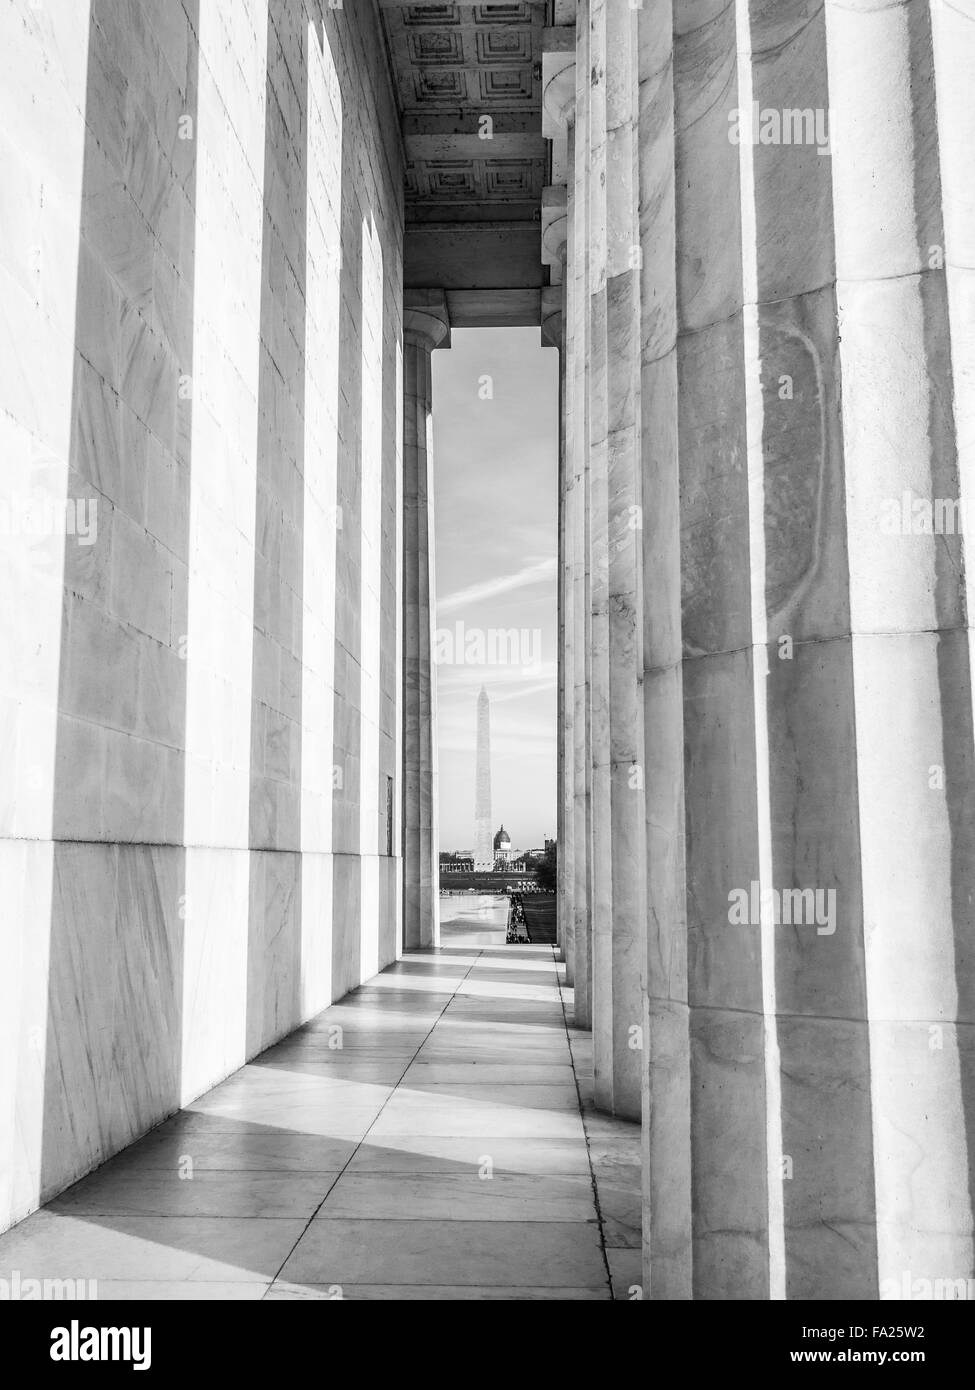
(790, 647)
(200, 551)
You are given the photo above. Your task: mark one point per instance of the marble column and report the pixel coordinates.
(953, 41)
(729, 1159)
(667, 1225)
(800, 676)
(562, 210)
(911, 672)
(591, 105)
(553, 335)
(619, 953)
(581, 529)
(426, 326)
(604, 483)
(601, 882)
(818, 1124)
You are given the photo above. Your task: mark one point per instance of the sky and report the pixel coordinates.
(495, 422)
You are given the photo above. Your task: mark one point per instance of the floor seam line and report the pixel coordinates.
(582, 1117)
(360, 1142)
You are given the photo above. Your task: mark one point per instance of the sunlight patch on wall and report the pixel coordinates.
(220, 627)
(371, 579)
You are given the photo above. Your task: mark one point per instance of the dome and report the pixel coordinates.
(502, 840)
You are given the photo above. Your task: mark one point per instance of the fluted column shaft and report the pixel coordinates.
(820, 1171)
(804, 418)
(911, 665)
(567, 657)
(598, 508)
(564, 248)
(555, 334)
(666, 1100)
(618, 961)
(425, 327)
(579, 273)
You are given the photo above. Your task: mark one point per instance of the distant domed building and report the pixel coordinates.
(502, 846)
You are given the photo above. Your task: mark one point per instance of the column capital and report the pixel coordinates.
(558, 80)
(555, 229)
(552, 316)
(426, 320)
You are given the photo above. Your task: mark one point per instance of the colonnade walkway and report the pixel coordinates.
(430, 1136)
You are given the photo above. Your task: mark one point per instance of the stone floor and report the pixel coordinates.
(430, 1136)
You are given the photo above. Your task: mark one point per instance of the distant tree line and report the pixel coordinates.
(547, 872)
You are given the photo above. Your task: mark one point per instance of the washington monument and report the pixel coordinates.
(483, 842)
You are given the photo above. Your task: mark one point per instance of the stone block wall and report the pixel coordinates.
(200, 551)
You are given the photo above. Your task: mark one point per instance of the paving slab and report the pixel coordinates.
(420, 1139)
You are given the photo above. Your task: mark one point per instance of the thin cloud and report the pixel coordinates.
(460, 680)
(541, 688)
(541, 571)
(516, 745)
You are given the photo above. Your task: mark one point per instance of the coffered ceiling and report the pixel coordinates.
(468, 78)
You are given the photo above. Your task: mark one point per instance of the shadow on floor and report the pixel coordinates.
(430, 1136)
